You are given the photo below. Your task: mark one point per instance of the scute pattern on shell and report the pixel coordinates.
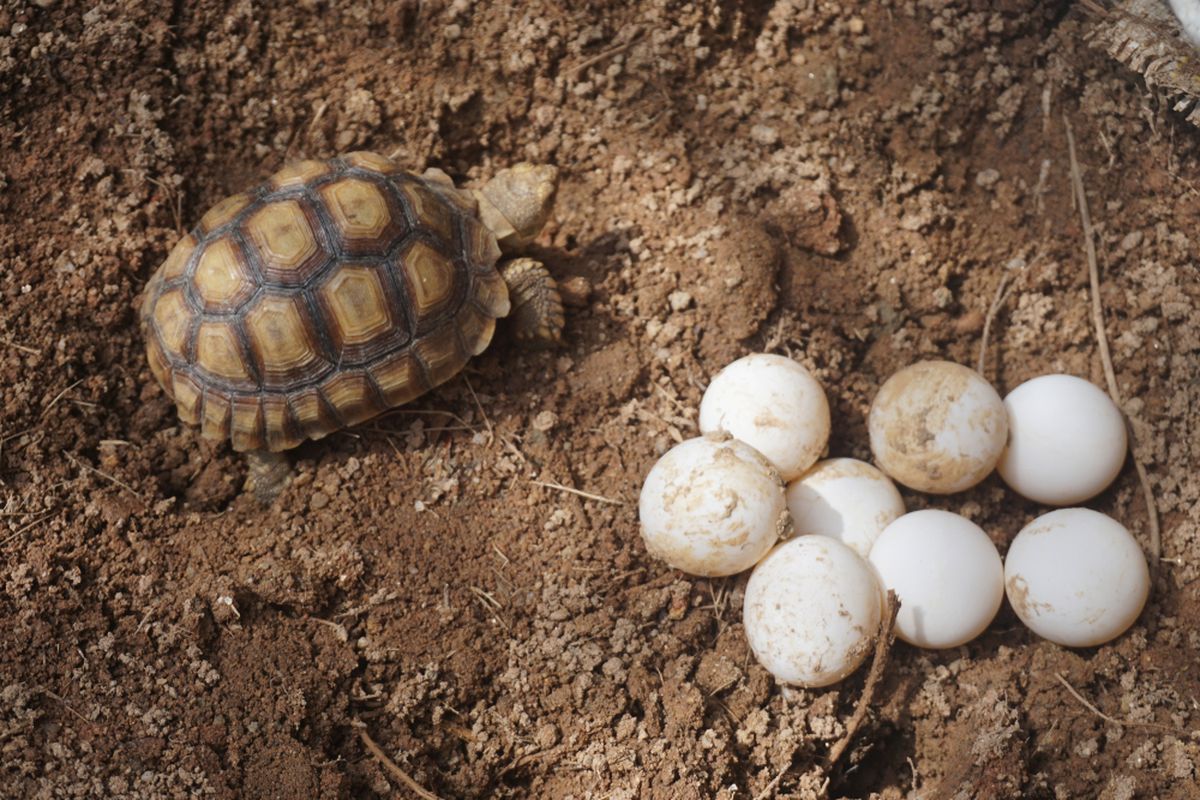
(334, 291)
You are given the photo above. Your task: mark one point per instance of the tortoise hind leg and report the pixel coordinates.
(537, 309)
(269, 474)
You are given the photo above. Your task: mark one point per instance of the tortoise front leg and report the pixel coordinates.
(269, 474)
(537, 309)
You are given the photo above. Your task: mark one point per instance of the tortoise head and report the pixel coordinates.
(516, 203)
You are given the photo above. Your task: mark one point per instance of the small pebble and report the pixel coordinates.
(547, 735)
(1131, 240)
(987, 178)
(575, 291)
(224, 610)
(970, 322)
(679, 300)
(764, 134)
(545, 421)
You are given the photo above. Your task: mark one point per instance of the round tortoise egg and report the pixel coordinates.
(334, 291)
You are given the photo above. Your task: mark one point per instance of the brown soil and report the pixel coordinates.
(847, 185)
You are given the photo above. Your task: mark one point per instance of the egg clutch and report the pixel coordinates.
(828, 538)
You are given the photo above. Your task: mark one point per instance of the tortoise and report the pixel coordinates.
(339, 289)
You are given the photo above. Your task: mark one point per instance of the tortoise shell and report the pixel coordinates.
(334, 291)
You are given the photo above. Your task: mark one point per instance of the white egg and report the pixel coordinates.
(1076, 577)
(774, 405)
(845, 499)
(1188, 14)
(938, 427)
(946, 573)
(712, 506)
(1066, 440)
(812, 611)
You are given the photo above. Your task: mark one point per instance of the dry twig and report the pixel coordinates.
(588, 495)
(883, 647)
(21, 347)
(596, 59)
(1102, 342)
(173, 196)
(26, 527)
(58, 397)
(303, 131)
(66, 705)
(104, 475)
(1113, 720)
(769, 789)
(997, 301)
(392, 767)
(479, 407)
(491, 605)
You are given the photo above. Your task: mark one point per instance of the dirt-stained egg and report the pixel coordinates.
(946, 573)
(1076, 577)
(937, 427)
(712, 506)
(773, 404)
(812, 611)
(1066, 440)
(845, 499)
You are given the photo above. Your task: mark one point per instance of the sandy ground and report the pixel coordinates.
(845, 183)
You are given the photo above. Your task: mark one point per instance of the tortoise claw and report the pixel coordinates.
(537, 308)
(269, 474)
